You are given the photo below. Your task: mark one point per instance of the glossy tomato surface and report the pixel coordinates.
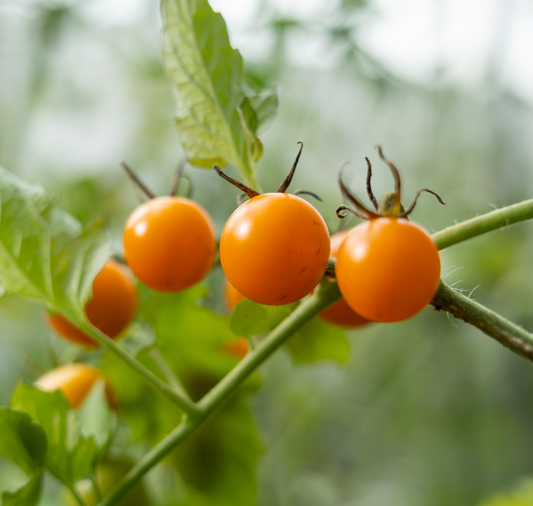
(388, 269)
(75, 382)
(275, 248)
(169, 243)
(111, 309)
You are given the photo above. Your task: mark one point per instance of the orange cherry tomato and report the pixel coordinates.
(231, 296)
(388, 269)
(238, 347)
(274, 248)
(340, 313)
(75, 382)
(111, 308)
(169, 243)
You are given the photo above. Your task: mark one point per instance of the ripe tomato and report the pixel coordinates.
(238, 347)
(274, 248)
(75, 382)
(231, 296)
(340, 313)
(111, 309)
(169, 243)
(388, 269)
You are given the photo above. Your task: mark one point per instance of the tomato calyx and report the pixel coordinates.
(176, 180)
(390, 204)
(251, 193)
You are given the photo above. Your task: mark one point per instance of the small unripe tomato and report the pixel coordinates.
(274, 248)
(169, 243)
(388, 269)
(75, 381)
(111, 308)
(340, 313)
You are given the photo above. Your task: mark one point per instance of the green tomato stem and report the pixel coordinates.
(167, 371)
(326, 295)
(492, 324)
(156, 454)
(485, 223)
(507, 333)
(77, 496)
(185, 404)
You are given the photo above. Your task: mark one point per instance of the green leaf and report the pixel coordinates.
(214, 118)
(24, 443)
(97, 419)
(318, 340)
(70, 456)
(249, 319)
(191, 336)
(147, 413)
(220, 460)
(44, 253)
(265, 107)
(191, 339)
(217, 464)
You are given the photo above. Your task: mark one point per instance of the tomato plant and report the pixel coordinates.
(181, 387)
(111, 308)
(169, 243)
(75, 381)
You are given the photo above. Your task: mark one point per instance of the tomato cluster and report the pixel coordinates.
(274, 250)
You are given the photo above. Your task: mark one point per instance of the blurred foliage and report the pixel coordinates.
(428, 411)
(522, 496)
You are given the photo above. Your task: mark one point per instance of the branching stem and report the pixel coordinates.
(509, 334)
(310, 307)
(180, 400)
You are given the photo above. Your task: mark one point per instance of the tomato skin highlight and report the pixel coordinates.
(75, 382)
(169, 243)
(275, 248)
(111, 308)
(388, 269)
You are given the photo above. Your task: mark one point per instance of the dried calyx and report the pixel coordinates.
(251, 193)
(390, 205)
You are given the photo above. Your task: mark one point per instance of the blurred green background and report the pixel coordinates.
(429, 411)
